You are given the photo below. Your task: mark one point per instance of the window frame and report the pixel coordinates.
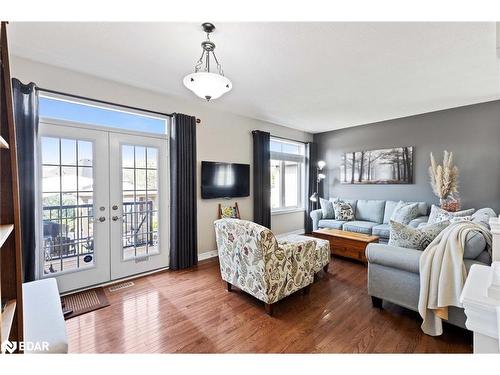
(282, 158)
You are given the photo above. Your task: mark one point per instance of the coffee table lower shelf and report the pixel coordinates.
(346, 244)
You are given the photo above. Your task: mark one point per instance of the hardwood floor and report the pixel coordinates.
(191, 311)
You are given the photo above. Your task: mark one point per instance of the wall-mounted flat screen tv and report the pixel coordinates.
(224, 180)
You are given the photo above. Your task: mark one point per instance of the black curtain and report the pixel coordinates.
(183, 210)
(25, 99)
(261, 178)
(311, 176)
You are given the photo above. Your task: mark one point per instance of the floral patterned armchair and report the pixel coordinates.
(252, 259)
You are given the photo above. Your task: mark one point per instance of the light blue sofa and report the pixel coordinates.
(371, 217)
(393, 272)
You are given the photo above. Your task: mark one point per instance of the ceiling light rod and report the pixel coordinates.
(203, 82)
(208, 48)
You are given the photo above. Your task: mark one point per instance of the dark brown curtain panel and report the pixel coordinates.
(261, 178)
(25, 99)
(183, 210)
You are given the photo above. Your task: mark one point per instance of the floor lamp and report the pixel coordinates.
(320, 177)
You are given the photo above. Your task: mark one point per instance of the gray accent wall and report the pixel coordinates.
(471, 132)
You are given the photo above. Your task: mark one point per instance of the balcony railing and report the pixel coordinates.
(68, 229)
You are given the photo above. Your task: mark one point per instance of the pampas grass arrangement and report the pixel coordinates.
(444, 178)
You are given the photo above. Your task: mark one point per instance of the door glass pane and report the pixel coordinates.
(140, 201)
(67, 205)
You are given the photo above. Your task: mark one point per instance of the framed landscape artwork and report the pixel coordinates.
(387, 166)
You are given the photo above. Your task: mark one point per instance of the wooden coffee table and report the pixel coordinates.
(346, 244)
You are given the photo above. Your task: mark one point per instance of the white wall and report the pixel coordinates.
(222, 136)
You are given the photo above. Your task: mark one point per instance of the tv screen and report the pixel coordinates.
(224, 180)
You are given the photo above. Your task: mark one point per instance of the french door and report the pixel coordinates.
(104, 204)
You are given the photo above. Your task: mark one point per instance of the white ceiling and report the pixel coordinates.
(310, 76)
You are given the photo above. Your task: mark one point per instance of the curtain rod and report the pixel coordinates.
(105, 102)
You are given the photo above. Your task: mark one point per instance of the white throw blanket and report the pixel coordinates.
(443, 274)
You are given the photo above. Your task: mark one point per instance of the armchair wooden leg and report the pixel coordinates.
(269, 309)
(377, 302)
(325, 268)
(228, 286)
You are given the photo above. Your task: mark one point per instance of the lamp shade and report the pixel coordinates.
(207, 85)
(314, 197)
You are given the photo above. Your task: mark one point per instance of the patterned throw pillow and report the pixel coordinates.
(438, 214)
(459, 219)
(404, 212)
(413, 238)
(343, 211)
(327, 209)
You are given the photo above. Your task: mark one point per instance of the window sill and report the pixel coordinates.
(287, 211)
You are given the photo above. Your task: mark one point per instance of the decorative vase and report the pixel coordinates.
(451, 203)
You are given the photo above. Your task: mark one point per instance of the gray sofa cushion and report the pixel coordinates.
(406, 236)
(415, 223)
(359, 226)
(331, 223)
(395, 257)
(370, 210)
(438, 214)
(389, 209)
(381, 230)
(474, 245)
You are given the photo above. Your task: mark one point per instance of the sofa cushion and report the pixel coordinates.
(370, 210)
(331, 223)
(326, 209)
(359, 226)
(394, 257)
(343, 211)
(474, 244)
(381, 230)
(405, 212)
(389, 209)
(352, 202)
(421, 220)
(411, 238)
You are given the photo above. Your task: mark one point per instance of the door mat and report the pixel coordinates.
(84, 302)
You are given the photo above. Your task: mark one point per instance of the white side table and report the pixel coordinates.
(481, 310)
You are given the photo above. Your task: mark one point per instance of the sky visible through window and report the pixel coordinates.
(63, 110)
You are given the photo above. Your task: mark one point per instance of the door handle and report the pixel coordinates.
(102, 219)
(115, 218)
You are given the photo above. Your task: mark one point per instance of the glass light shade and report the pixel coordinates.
(321, 176)
(321, 164)
(314, 197)
(207, 85)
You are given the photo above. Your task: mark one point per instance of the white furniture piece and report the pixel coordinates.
(481, 299)
(44, 326)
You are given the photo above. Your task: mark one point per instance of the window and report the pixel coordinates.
(287, 174)
(63, 109)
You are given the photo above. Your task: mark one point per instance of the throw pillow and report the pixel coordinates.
(343, 211)
(404, 212)
(412, 238)
(459, 219)
(327, 209)
(438, 214)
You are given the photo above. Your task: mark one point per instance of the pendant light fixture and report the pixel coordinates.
(204, 83)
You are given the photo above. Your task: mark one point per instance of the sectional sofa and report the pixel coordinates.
(371, 217)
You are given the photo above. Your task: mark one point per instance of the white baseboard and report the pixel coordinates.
(298, 231)
(207, 255)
